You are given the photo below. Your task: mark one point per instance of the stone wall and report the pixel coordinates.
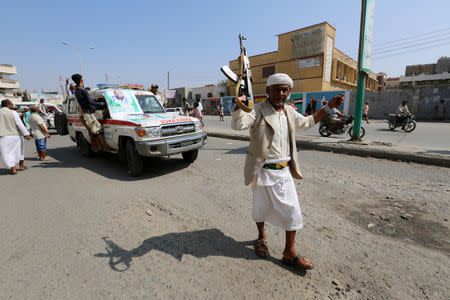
(421, 102)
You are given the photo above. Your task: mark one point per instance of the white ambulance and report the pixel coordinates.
(135, 126)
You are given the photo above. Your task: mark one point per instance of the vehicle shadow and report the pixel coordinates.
(199, 243)
(108, 165)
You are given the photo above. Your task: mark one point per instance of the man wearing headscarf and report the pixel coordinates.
(11, 140)
(272, 163)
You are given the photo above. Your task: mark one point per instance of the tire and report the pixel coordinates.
(84, 146)
(409, 126)
(134, 161)
(391, 126)
(324, 131)
(190, 156)
(61, 123)
(362, 132)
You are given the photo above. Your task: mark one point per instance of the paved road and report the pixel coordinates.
(77, 228)
(427, 134)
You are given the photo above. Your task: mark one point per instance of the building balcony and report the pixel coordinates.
(8, 69)
(9, 84)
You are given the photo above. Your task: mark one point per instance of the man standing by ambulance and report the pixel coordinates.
(272, 164)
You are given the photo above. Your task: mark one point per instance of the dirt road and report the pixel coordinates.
(78, 228)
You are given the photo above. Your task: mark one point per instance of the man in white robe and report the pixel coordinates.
(272, 163)
(12, 131)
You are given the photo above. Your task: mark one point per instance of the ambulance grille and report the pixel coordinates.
(177, 129)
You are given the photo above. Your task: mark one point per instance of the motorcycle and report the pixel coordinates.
(326, 129)
(407, 123)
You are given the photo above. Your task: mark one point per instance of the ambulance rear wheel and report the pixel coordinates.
(134, 161)
(84, 146)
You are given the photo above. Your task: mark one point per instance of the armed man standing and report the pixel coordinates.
(272, 163)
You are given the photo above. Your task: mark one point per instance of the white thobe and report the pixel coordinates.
(274, 194)
(275, 197)
(12, 147)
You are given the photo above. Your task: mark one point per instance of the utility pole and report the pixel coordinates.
(364, 62)
(168, 80)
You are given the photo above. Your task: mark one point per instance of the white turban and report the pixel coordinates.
(280, 78)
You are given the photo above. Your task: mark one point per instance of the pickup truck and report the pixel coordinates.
(136, 126)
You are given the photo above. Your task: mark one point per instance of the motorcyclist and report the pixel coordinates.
(402, 112)
(334, 119)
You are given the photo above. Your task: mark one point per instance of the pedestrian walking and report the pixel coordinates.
(198, 114)
(308, 109)
(12, 131)
(272, 163)
(366, 112)
(221, 112)
(40, 133)
(313, 104)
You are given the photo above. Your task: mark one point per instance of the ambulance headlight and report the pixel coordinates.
(197, 125)
(153, 131)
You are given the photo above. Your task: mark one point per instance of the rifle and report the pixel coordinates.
(244, 80)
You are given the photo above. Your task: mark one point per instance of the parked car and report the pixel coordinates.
(175, 110)
(135, 126)
(52, 110)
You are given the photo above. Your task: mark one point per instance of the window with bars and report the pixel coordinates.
(267, 71)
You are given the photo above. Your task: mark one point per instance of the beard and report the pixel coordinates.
(277, 104)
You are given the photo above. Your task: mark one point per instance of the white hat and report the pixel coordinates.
(280, 78)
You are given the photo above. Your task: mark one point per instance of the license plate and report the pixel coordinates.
(184, 144)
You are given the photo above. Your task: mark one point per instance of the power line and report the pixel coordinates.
(410, 46)
(433, 39)
(407, 38)
(412, 51)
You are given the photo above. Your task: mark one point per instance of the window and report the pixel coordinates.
(149, 104)
(267, 71)
(209, 95)
(73, 106)
(198, 96)
(338, 69)
(222, 94)
(190, 95)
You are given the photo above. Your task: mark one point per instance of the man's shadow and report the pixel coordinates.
(200, 244)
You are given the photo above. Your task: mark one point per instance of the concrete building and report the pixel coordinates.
(429, 75)
(309, 57)
(8, 86)
(193, 93)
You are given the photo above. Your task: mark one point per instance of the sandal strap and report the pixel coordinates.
(296, 259)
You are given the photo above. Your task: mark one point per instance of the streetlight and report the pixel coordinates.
(79, 53)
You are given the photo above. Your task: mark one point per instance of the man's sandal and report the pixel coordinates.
(299, 261)
(261, 248)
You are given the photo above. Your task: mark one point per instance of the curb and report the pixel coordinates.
(356, 150)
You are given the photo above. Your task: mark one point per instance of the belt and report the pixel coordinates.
(276, 166)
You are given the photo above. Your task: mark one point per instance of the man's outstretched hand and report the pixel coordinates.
(336, 101)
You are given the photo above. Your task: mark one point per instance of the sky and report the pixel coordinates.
(142, 41)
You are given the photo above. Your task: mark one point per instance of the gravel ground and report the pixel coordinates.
(81, 228)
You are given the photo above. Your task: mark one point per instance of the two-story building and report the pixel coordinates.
(8, 86)
(309, 57)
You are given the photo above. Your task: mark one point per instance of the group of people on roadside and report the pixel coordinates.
(196, 111)
(12, 133)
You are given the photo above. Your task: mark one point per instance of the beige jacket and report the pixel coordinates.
(10, 123)
(261, 122)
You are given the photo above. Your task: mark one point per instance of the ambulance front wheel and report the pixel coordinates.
(190, 156)
(134, 161)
